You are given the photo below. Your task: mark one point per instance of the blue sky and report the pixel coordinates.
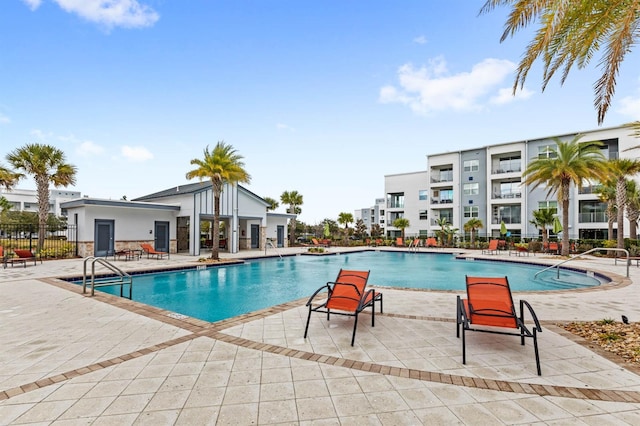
(322, 97)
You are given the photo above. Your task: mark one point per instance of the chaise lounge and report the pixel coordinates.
(20, 256)
(489, 305)
(346, 296)
(153, 252)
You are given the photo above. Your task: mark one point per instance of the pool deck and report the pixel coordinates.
(71, 359)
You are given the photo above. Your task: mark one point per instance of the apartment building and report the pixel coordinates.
(407, 196)
(374, 215)
(26, 200)
(487, 183)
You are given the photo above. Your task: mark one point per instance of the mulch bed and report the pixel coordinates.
(618, 338)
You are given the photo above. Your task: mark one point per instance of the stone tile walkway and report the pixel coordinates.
(66, 358)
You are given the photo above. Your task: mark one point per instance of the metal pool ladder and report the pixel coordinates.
(557, 265)
(121, 278)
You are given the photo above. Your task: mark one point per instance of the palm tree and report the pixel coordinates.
(620, 169)
(401, 223)
(633, 207)
(345, 219)
(607, 194)
(571, 161)
(571, 32)
(8, 178)
(273, 203)
(47, 165)
(443, 223)
(472, 226)
(542, 219)
(294, 200)
(222, 165)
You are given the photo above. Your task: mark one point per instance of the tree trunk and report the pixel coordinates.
(545, 238)
(610, 214)
(621, 200)
(215, 250)
(42, 185)
(565, 219)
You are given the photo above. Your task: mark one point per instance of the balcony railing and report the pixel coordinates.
(591, 189)
(444, 201)
(507, 220)
(499, 171)
(593, 217)
(507, 195)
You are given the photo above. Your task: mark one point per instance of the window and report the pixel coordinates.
(509, 214)
(471, 211)
(423, 194)
(510, 190)
(471, 188)
(593, 211)
(395, 200)
(547, 151)
(423, 232)
(548, 205)
(446, 196)
(509, 164)
(471, 165)
(423, 215)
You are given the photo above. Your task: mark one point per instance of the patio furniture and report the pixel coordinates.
(20, 256)
(493, 247)
(489, 308)
(153, 252)
(346, 296)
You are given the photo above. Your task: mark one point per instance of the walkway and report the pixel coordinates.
(66, 358)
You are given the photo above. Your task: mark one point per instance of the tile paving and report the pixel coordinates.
(66, 358)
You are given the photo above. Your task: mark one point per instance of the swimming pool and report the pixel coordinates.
(217, 293)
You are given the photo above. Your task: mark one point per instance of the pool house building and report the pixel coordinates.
(487, 183)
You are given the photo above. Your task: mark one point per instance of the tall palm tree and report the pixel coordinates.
(273, 203)
(222, 165)
(294, 200)
(542, 219)
(607, 194)
(571, 161)
(621, 169)
(401, 223)
(345, 219)
(472, 226)
(633, 207)
(47, 165)
(571, 32)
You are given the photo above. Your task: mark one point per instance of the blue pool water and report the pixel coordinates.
(217, 293)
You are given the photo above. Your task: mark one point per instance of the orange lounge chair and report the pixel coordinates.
(431, 242)
(20, 256)
(489, 304)
(493, 247)
(399, 242)
(153, 252)
(317, 243)
(346, 296)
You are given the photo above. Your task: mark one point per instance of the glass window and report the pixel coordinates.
(548, 205)
(446, 196)
(471, 188)
(547, 151)
(510, 189)
(395, 200)
(423, 214)
(509, 214)
(471, 165)
(423, 194)
(471, 211)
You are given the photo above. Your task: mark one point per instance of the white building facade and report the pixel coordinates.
(487, 183)
(406, 196)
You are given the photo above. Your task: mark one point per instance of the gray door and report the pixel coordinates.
(103, 237)
(161, 240)
(280, 235)
(255, 236)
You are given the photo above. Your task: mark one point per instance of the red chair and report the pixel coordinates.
(153, 252)
(20, 256)
(346, 296)
(489, 304)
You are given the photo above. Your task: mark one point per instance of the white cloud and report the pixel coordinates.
(136, 153)
(433, 88)
(506, 95)
(89, 148)
(32, 4)
(4, 119)
(281, 126)
(420, 40)
(40, 135)
(630, 106)
(110, 13)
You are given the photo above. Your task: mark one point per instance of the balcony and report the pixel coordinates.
(594, 217)
(516, 169)
(506, 219)
(444, 201)
(443, 176)
(507, 195)
(591, 189)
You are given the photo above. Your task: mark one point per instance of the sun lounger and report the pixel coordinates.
(153, 252)
(20, 256)
(489, 306)
(346, 296)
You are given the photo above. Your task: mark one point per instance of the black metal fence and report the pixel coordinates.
(58, 242)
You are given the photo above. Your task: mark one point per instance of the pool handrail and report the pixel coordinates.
(124, 278)
(557, 265)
